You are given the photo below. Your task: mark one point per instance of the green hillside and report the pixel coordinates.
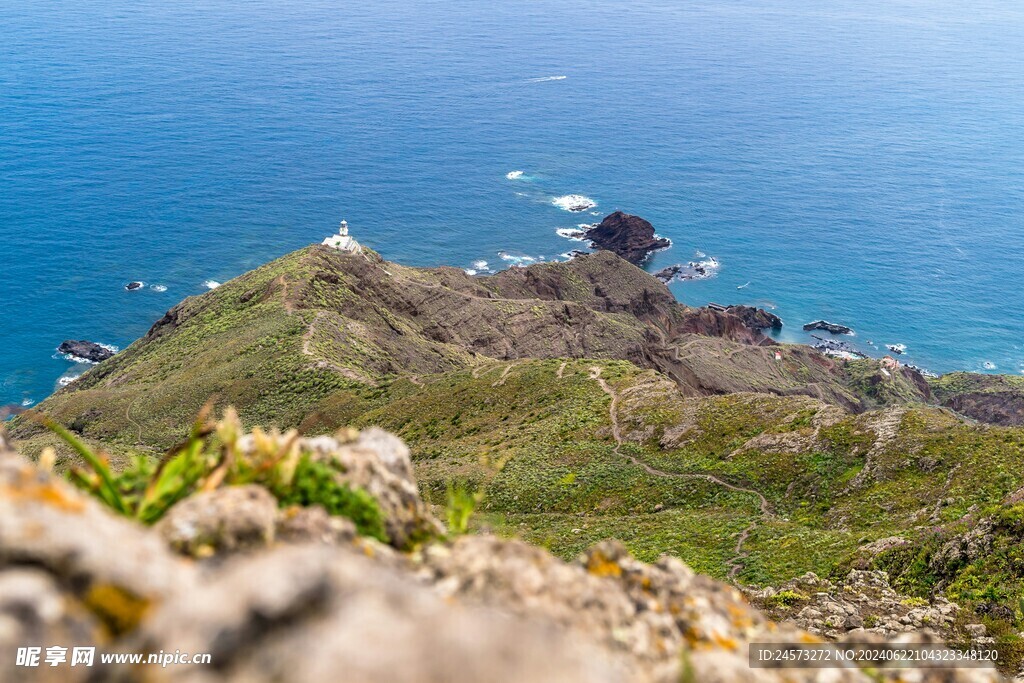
(584, 402)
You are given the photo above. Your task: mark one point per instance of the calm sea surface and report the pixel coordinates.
(857, 160)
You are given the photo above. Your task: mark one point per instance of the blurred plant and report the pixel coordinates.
(462, 503)
(209, 458)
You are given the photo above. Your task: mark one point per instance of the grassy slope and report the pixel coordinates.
(314, 341)
(542, 449)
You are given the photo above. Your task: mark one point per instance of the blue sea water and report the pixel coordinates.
(857, 160)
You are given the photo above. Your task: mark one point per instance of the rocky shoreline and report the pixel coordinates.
(86, 351)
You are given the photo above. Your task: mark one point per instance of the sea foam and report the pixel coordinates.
(65, 380)
(211, 284)
(545, 79)
(515, 259)
(574, 202)
(573, 234)
(514, 175)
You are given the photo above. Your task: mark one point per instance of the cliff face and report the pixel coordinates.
(996, 399)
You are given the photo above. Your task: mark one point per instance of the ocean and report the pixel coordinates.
(860, 161)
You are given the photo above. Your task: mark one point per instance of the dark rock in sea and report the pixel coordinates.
(132, 286)
(10, 410)
(694, 270)
(898, 349)
(834, 347)
(86, 350)
(631, 237)
(831, 328)
(756, 318)
(669, 273)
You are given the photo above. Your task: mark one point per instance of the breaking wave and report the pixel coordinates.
(514, 175)
(211, 284)
(573, 234)
(574, 202)
(515, 259)
(545, 79)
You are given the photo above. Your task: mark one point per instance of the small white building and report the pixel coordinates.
(343, 241)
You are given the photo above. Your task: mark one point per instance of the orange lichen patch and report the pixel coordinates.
(599, 565)
(725, 642)
(740, 617)
(808, 638)
(46, 491)
(693, 636)
(120, 610)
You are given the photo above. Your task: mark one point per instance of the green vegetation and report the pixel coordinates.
(462, 504)
(786, 598)
(843, 453)
(211, 458)
(315, 483)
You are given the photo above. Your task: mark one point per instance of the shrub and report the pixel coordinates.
(786, 598)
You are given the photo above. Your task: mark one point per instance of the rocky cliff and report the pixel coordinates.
(996, 399)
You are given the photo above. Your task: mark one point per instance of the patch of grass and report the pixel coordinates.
(315, 483)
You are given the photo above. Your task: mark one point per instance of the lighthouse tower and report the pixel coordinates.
(343, 241)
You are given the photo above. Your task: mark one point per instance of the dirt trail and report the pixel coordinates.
(128, 415)
(504, 375)
(736, 563)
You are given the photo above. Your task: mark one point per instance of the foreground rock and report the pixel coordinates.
(631, 237)
(86, 350)
(825, 326)
(288, 599)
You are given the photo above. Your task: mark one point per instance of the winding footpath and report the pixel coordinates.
(736, 563)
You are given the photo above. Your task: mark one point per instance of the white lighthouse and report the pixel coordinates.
(343, 241)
